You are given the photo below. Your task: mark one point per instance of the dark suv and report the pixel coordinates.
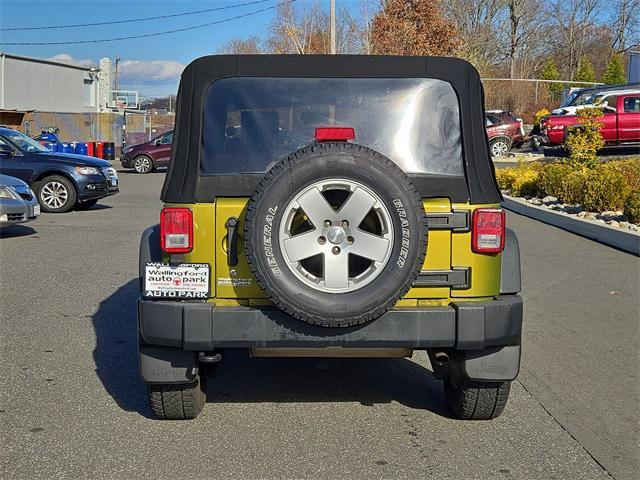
(61, 181)
(145, 157)
(330, 206)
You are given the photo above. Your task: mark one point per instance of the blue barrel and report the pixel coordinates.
(81, 148)
(51, 146)
(109, 151)
(65, 147)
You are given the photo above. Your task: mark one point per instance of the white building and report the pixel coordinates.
(48, 86)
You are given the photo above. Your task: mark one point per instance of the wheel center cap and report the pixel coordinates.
(336, 235)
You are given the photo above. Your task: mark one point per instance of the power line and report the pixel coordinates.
(132, 20)
(154, 34)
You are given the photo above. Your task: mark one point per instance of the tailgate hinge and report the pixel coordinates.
(458, 220)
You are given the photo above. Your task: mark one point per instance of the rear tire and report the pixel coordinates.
(469, 400)
(499, 147)
(177, 402)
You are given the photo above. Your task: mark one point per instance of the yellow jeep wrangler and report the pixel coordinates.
(330, 206)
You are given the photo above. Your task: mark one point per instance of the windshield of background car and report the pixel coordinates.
(249, 123)
(24, 143)
(579, 97)
(491, 120)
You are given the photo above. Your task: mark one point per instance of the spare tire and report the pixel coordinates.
(335, 234)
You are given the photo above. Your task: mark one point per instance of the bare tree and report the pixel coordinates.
(626, 24)
(306, 30)
(479, 23)
(575, 21)
(525, 23)
(240, 46)
(359, 27)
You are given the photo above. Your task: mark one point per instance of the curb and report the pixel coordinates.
(603, 233)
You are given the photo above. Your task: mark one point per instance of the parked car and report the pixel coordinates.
(18, 204)
(296, 212)
(145, 157)
(620, 122)
(589, 96)
(509, 117)
(61, 181)
(504, 131)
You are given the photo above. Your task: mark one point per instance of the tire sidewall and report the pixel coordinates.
(345, 162)
(500, 140)
(71, 191)
(139, 157)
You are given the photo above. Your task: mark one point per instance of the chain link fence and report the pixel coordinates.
(106, 127)
(524, 97)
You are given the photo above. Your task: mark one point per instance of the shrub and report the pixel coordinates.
(525, 183)
(630, 169)
(605, 188)
(583, 142)
(519, 181)
(505, 178)
(564, 181)
(543, 112)
(632, 207)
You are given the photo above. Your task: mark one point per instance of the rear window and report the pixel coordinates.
(251, 122)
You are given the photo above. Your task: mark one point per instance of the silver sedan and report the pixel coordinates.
(18, 204)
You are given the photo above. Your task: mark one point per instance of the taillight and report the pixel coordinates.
(334, 134)
(488, 230)
(176, 230)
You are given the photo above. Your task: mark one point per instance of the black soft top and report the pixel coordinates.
(184, 184)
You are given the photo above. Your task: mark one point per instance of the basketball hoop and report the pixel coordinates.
(122, 100)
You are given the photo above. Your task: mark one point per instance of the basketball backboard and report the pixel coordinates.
(123, 99)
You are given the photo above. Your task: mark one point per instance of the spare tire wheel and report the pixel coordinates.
(335, 234)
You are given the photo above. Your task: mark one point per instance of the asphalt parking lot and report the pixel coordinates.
(72, 404)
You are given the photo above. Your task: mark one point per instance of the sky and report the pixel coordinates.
(150, 65)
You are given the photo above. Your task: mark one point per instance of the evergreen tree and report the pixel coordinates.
(615, 70)
(550, 72)
(584, 72)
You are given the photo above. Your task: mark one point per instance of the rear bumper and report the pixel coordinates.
(195, 327)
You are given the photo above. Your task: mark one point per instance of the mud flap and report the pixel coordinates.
(167, 365)
(491, 365)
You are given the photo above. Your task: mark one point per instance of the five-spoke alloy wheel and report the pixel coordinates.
(339, 246)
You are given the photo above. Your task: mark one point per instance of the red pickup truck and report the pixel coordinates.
(620, 122)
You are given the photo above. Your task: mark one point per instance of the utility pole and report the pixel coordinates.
(332, 27)
(116, 73)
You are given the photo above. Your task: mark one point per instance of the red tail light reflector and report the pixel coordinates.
(334, 134)
(487, 235)
(176, 230)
